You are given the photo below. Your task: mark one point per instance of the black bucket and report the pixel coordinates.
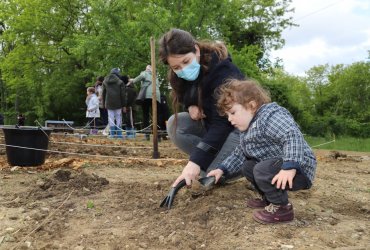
(26, 145)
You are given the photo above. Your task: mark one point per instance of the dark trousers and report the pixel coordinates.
(147, 106)
(92, 121)
(260, 174)
(103, 120)
(128, 118)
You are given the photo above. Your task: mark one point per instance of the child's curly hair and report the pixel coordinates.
(91, 90)
(242, 92)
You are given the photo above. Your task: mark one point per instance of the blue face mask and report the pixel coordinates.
(190, 72)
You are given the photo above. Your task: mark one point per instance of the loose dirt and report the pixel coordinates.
(86, 202)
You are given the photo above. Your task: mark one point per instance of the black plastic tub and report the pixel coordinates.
(25, 146)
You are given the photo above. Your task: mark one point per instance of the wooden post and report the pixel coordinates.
(154, 100)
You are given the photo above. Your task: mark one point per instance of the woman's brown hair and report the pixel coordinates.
(242, 92)
(180, 42)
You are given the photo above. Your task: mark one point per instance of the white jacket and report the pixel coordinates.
(92, 103)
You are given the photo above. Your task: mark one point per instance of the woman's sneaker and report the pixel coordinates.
(274, 214)
(257, 203)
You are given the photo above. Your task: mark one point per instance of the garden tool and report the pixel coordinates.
(206, 182)
(168, 200)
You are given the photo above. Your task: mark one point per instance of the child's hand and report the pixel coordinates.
(284, 177)
(217, 173)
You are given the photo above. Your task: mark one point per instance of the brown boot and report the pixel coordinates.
(257, 203)
(274, 214)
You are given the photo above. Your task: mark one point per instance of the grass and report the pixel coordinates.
(339, 143)
(90, 205)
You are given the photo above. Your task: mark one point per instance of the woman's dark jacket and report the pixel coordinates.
(113, 92)
(218, 127)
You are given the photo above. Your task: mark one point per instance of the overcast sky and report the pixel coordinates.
(332, 31)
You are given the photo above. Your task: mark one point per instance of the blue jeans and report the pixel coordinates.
(187, 133)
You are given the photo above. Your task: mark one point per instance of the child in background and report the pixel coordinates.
(20, 119)
(272, 153)
(103, 121)
(92, 111)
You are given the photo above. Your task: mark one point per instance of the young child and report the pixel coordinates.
(20, 119)
(272, 153)
(92, 111)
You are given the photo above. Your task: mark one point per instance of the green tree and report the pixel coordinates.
(292, 93)
(352, 88)
(51, 50)
(341, 96)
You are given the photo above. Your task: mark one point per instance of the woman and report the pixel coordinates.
(113, 99)
(145, 101)
(196, 69)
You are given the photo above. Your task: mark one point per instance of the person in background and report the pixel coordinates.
(1, 119)
(113, 100)
(103, 121)
(145, 78)
(165, 114)
(196, 69)
(21, 119)
(127, 111)
(272, 154)
(92, 110)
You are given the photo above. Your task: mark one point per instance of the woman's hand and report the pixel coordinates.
(217, 173)
(195, 113)
(284, 177)
(189, 173)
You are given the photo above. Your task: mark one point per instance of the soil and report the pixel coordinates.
(108, 196)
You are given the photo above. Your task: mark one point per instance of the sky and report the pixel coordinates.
(329, 32)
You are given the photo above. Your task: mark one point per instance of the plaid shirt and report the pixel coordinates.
(272, 133)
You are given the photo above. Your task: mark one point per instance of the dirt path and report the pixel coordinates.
(77, 202)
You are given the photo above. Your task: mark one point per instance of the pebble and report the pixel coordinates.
(356, 236)
(26, 245)
(40, 183)
(171, 234)
(14, 168)
(360, 229)
(9, 230)
(9, 238)
(143, 245)
(287, 246)
(161, 238)
(44, 209)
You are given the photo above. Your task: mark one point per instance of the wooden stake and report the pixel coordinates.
(154, 100)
